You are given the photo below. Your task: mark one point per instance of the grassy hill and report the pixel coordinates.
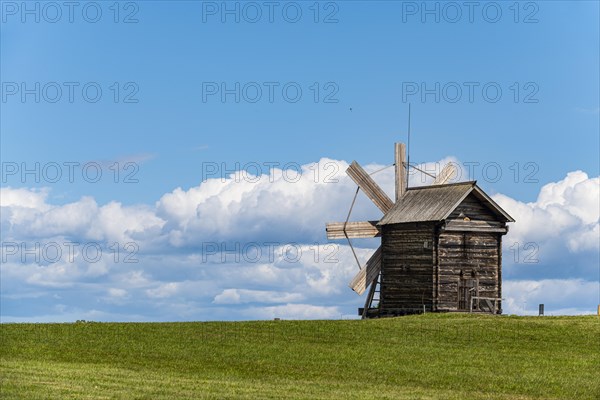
(432, 356)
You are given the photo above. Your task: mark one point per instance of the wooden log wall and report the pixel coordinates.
(476, 255)
(407, 264)
(474, 209)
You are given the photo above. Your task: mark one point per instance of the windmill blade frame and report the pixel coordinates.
(446, 174)
(352, 230)
(369, 187)
(365, 276)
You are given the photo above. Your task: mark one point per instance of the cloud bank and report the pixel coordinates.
(254, 247)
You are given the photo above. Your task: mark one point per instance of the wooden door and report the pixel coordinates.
(467, 287)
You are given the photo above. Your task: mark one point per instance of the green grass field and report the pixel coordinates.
(430, 356)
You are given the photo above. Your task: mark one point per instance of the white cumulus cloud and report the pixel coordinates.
(172, 275)
(567, 209)
(241, 296)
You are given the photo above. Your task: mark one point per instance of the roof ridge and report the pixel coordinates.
(472, 183)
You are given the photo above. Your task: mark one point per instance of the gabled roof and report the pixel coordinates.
(436, 203)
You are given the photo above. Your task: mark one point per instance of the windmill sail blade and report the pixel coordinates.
(448, 172)
(365, 229)
(368, 274)
(368, 185)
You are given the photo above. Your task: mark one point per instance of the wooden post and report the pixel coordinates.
(369, 299)
(400, 161)
(499, 276)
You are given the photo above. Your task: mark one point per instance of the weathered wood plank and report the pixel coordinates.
(400, 161)
(475, 229)
(369, 187)
(448, 172)
(368, 273)
(473, 223)
(363, 229)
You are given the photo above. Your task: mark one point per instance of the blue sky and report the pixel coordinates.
(163, 124)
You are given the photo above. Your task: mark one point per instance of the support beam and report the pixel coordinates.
(448, 172)
(364, 229)
(401, 177)
(368, 273)
(370, 297)
(369, 187)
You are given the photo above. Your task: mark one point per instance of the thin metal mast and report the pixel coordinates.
(408, 148)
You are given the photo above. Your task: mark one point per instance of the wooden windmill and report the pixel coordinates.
(441, 245)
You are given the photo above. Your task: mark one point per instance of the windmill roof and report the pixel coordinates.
(436, 203)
